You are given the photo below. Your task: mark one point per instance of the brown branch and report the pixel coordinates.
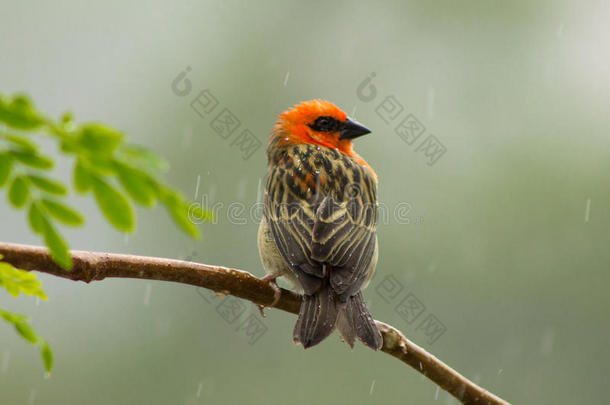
(90, 266)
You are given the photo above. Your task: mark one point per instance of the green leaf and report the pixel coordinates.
(17, 281)
(99, 138)
(36, 217)
(6, 164)
(114, 206)
(26, 332)
(39, 217)
(140, 187)
(19, 113)
(18, 193)
(11, 317)
(70, 145)
(145, 157)
(180, 217)
(101, 165)
(48, 185)
(22, 142)
(20, 323)
(56, 244)
(67, 118)
(179, 211)
(32, 159)
(83, 181)
(62, 212)
(199, 214)
(47, 356)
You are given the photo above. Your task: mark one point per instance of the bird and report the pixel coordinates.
(319, 224)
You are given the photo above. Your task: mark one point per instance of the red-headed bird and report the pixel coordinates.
(319, 224)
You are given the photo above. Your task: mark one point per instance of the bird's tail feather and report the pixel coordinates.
(355, 320)
(317, 317)
(321, 312)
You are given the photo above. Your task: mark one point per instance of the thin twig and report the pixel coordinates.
(90, 266)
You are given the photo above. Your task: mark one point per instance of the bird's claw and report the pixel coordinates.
(277, 292)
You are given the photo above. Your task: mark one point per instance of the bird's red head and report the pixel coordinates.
(318, 122)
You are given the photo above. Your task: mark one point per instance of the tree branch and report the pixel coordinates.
(90, 266)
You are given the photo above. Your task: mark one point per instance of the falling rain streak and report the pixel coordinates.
(587, 210)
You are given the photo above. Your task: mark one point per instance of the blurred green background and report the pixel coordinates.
(500, 246)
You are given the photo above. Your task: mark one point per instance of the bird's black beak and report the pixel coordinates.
(352, 129)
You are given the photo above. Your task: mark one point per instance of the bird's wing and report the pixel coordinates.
(330, 232)
(344, 237)
(291, 219)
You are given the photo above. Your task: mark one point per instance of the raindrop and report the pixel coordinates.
(32, 397)
(436, 393)
(241, 188)
(197, 187)
(259, 193)
(286, 78)
(212, 193)
(587, 210)
(559, 32)
(372, 388)
(199, 389)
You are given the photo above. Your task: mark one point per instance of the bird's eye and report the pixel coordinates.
(325, 124)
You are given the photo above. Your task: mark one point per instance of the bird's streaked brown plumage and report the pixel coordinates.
(320, 218)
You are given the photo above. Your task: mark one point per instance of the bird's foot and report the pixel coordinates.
(277, 292)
